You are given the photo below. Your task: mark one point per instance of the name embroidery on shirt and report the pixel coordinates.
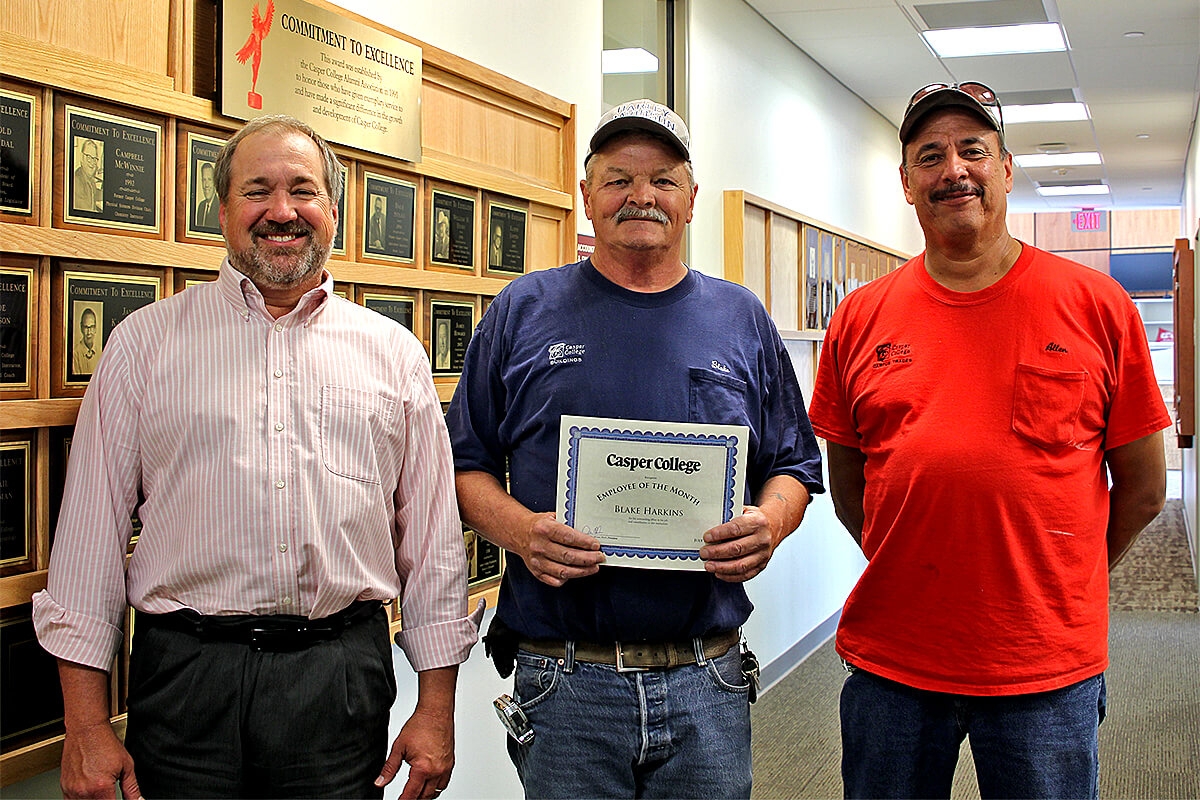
(563, 353)
(890, 354)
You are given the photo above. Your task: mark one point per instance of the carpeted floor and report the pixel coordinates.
(1150, 743)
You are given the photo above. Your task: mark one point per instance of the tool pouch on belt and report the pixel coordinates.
(500, 645)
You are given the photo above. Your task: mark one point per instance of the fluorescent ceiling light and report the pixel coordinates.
(628, 60)
(1043, 37)
(1037, 160)
(1065, 191)
(1046, 112)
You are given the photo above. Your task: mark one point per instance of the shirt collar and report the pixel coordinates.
(241, 292)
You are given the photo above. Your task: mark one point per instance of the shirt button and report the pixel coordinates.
(287, 599)
(279, 484)
(278, 326)
(278, 373)
(278, 426)
(283, 547)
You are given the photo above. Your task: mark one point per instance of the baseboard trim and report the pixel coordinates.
(791, 658)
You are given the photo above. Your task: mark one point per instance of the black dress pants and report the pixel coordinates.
(220, 719)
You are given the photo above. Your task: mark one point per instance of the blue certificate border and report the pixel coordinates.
(579, 432)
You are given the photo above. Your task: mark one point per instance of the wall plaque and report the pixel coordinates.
(451, 325)
(506, 239)
(16, 504)
(398, 307)
(113, 171)
(203, 206)
(93, 304)
(354, 84)
(32, 707)
(17, 129)
(452, 230)
(485, 561)
(339, 235)
(389, 216)
(16, 328)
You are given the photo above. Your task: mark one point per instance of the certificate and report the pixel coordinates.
(649, 490)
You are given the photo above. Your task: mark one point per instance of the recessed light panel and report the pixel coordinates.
(1039, 160)
(1046, 37)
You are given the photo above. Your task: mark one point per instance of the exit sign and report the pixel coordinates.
(1088, 220)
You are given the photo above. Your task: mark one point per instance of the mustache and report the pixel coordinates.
(962, 187)
(272, 228)
(631, 212)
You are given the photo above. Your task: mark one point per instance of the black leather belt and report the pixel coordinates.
(276, 634)
(631, 656)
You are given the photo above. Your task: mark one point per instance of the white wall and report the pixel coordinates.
(765, 118)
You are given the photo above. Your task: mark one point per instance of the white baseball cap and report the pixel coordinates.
(641, 115)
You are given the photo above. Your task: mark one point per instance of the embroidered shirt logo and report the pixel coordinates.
(719, 367)
(892, 353)
(563, 353)
(1054, 347)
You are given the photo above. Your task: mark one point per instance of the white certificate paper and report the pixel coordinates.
(649, 490)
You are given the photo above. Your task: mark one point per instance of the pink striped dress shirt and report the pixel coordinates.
(287, 466)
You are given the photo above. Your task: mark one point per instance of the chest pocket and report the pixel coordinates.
(353, 422)
(717, 399)
(1046, 404)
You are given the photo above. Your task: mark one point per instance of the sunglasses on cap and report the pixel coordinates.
(977, 91)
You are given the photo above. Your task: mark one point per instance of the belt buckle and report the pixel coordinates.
(621, 661)
(275, 640)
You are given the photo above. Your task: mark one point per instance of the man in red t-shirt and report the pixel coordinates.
(976, 402)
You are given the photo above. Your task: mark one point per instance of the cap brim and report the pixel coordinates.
(632, 123)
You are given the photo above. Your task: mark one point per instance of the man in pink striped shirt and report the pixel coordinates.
(286, 453)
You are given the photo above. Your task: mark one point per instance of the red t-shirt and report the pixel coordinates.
(984, 417)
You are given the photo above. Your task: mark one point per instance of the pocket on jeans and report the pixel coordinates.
(726, 672)
(351, 422)
(535, 679)
(1046, 404)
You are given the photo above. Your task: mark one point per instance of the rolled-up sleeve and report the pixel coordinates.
(79, 617)
(431, 560)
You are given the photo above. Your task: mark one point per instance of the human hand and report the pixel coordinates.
(555, 553)
(93, 762)
(738, 550)
(426, 743)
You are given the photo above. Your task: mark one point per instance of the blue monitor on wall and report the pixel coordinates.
(1143, 272)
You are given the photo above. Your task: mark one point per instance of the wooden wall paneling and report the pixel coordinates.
(1144, 228)
(1054, 233)
(1096, 259)
(130, 32)
(544, 248)
(756, 250)
(1021, 226)
(784, 271)
(1184, 316)
(733, 235)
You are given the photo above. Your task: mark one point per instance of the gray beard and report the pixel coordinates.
(295, 269)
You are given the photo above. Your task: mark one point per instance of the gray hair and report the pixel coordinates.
(279, 124)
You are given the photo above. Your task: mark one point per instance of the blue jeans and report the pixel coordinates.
(898, 741)
(598, 733)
